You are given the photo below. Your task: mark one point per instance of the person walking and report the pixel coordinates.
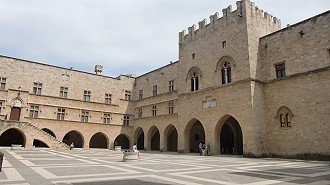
(134, 148)
(200, 146)
(208, 151)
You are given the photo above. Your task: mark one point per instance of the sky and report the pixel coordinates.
(124, 36)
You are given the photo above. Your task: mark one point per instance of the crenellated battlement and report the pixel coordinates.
(230, 16)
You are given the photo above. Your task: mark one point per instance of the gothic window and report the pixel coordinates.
(226, 73)
(284, 116)
(280, 70)
(194, 81)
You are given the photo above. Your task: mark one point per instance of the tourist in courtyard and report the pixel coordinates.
(134, 148)
(208, 151)
(203, 149)
(200, 146)
(71, 146)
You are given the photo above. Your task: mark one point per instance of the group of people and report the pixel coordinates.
(204, 149)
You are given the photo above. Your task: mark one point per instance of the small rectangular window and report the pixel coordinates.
(34, 111)
(154, 90)
(224, 44)
(106, 118)
(60, 113)
(280, 70)
(140, 94)
(2, 83)
(87, 95)
(171, 107)
(171, 86)
(84, 116)
(107, 99)
(126, 120)
(63, 92)
(154, 110)
(140, 112)
(127, 95)
(2, 104)
(193, 56)
(37, 87)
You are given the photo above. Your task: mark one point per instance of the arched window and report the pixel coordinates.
(226, 73)
(194, 81)
(224, 68)
(284, 116)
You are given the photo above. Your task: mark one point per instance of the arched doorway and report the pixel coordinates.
(231, 139)
(140, 138)
(12, 136)
(154, 138)
(49, 132)
(123, 141)
(194, 134)
(98, 140)
(171, 138)
(38, 143)
(74, 137)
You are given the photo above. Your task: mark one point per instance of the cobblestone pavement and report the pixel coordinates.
(98, 167)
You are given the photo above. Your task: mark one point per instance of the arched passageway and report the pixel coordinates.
(38, 143)
(74, 137)
(49, 132)
(154, 138)
(231, 139)
(123, 141)
(171, 138)
(12, 136)
(140, 138)
(196, 135)
(98, 140)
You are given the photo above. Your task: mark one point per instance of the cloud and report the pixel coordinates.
(125, 36)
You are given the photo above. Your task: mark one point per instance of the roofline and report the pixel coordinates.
(301, 22)
(49, 65)
(157, 69)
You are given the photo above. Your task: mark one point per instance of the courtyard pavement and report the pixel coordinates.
(100, 166)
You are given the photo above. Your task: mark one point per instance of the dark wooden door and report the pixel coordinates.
(15, 113)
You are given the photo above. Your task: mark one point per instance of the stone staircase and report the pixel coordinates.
(33, 132)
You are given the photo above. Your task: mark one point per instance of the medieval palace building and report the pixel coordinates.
(241, 84)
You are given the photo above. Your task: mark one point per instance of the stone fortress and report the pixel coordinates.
(241, 84)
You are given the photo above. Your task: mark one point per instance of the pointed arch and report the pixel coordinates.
(139, 138)
(153, 138)
(228, 136)
(171, 138)
(123, 141)
(224, 69)
(194, 134)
